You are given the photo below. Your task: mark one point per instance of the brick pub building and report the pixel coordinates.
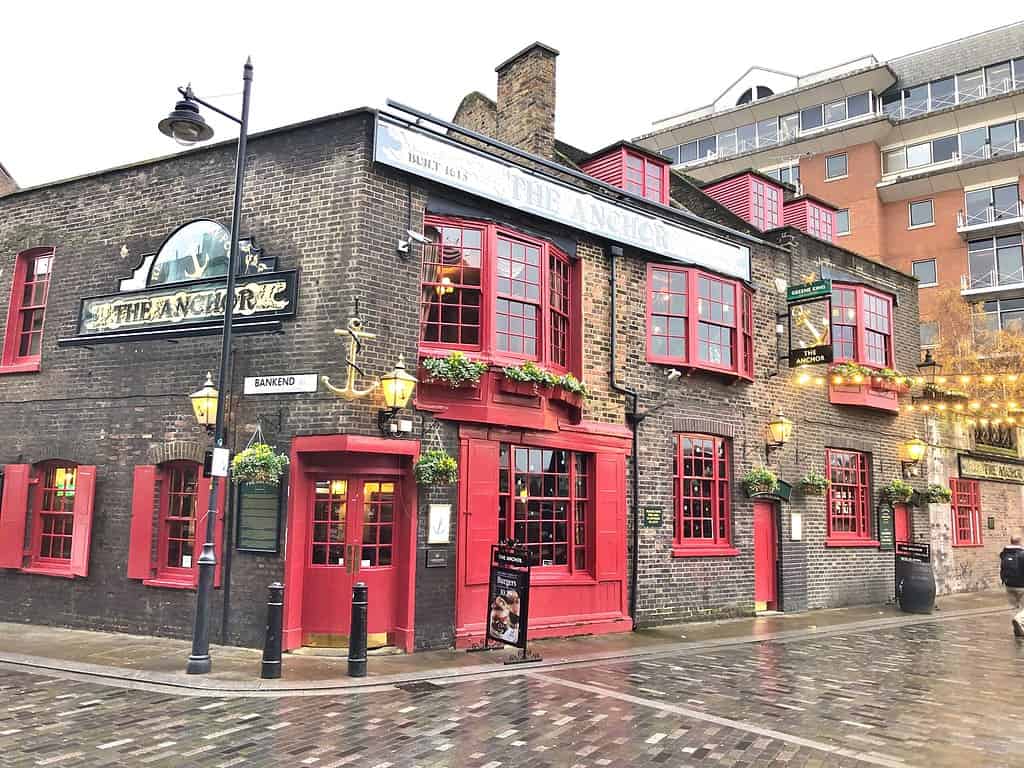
(663, 300)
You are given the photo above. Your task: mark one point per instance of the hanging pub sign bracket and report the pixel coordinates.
(809, 311)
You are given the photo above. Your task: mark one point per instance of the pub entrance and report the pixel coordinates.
(351, 518)
(766, 551)
(352, 539)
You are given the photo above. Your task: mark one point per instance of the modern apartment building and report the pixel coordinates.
(921, 156)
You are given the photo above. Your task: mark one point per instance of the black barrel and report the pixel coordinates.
(915, 586)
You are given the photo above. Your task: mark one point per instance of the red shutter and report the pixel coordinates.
(479, 462)
(140, 541)
(610, 514)
(85, 491)
(13, 513)
(218, 536)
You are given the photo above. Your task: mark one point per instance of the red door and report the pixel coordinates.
(765, 550)
(901, 515)
(351, 539)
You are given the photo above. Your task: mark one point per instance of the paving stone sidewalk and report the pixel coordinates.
(161, 661)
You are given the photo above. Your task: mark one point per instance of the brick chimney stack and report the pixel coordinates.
(526, 100)
(7, 182)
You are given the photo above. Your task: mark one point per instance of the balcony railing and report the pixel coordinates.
(913, 107)
(984, 152)
(994, 279)
(991, 214)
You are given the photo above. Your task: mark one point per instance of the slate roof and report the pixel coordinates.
(967, 53)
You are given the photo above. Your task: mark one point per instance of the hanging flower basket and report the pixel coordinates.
(436, 467)
(813, 484)
(760, 482)
(898, 491)
(258, 463)
(938, 494)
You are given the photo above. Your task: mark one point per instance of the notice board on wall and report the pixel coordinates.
(259, 518)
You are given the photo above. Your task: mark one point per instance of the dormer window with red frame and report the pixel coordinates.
(699, 320)
(26, 311)
(496, 292)
(645, 177)
(624, 167)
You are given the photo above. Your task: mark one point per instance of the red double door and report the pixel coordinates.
(351, 538)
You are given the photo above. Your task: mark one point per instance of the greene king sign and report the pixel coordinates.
(446, 162)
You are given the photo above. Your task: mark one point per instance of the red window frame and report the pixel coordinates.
(764, 205)
(53, 515)
(645, 177)
(26, 312)
(966, 512)
(872, 325)
(677, 314)
(702, 496)
(554, 290)
(848, 502)
(174, 496)
(529, 495)
(820, 222)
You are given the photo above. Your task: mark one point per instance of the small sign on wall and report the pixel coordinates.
(886, 528)
(259, 518)
(652, 517)
(439, 519)
(796, 526)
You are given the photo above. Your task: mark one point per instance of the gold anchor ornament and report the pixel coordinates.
(355, 333)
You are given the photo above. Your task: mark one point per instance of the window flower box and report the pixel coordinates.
(569, 398)
(525, 388)
(864, 394)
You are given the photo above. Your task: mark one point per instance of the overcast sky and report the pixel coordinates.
(85, 83)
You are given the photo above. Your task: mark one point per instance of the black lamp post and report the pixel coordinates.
(186, 126)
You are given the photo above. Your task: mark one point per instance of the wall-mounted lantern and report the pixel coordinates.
(777, 433)
(204, 404)
(911, 453)
(928, 369)
(397, 387)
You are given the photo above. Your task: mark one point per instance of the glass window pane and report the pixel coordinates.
(858, 105)
(1003, 138)
(1018, 73)
(921, 213)
(924, 271)
(843, 222)
(971, 85)
(1008, 256)
(892, 104)
(672, 153)
(789, 126)
(688, 152)
(835, 112)
(810, 118)
(835, 166)
(981, 258)
(895, 161)
(998, 78)
(768, 132)
(727, 143)
(915, 100)
(972, 144)
(943, 93)
(929, 334)
(745, 137)
(919, 155)
(707, 147)
(977, 203)
(944, 149)
(1006, 202)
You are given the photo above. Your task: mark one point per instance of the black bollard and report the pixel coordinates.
(272, 643)
(357, 632)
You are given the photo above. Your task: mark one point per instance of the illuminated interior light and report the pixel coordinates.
(988, 378)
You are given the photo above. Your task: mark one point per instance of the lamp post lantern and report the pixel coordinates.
(186, 126)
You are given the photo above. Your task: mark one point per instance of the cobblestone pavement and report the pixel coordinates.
(946, 693)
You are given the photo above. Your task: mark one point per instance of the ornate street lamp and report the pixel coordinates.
(928, 368)
(397, 387)
(777, 433)
(911, 453)
(186, 126)
(204, 404)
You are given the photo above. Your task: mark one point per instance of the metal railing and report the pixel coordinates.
(906, 108)
(992, 279)
(989, 215)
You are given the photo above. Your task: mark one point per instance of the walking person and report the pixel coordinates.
(1011, 573)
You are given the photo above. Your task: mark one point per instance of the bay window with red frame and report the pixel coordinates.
(170, 503)
(54, 501)
(862, 323)
(848, 500)
(26, 311)
(702, 493)
(699, 320)
(966, 511)
(507, 297)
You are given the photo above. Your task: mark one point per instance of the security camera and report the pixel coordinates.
(674, 374)
(414, 237)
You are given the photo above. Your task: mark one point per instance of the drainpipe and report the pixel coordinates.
(633, 417)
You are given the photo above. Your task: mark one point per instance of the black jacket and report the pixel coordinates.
(1011, 566)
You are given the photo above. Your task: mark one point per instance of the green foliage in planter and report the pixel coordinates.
(258, 464)
(898, 490)
(938, 494)
(436, 467)
(531, 373)
(813, 483)
(849, 370)
(760, 480)
(456, 370)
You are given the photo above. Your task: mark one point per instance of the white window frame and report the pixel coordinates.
(925, 261)
(910, 216)
(849, 223)
(837, 178)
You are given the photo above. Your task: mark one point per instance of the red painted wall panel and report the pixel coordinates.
(140, 539)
